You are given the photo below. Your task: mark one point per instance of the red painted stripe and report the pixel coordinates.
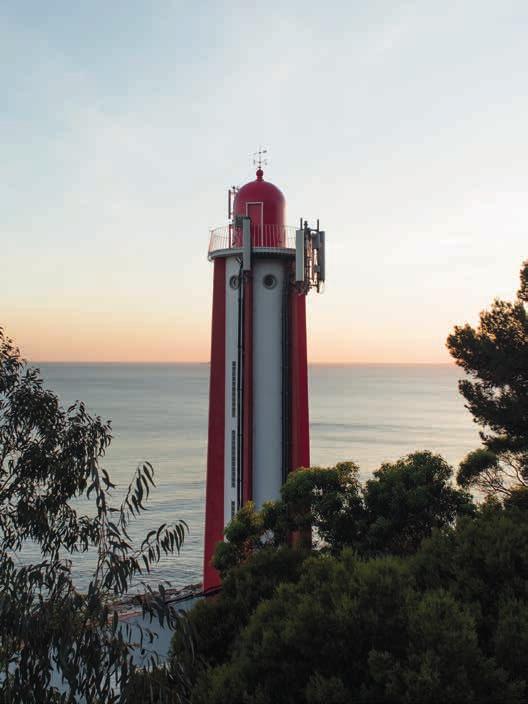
(247, 401)
(214, 499)
(300, 425)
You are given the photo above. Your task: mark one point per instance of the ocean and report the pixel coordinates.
(366, 413)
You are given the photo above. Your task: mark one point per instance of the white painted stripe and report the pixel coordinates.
(267, 380)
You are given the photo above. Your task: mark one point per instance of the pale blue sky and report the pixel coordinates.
(402, 125)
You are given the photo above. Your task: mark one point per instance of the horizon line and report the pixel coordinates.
(207, 362)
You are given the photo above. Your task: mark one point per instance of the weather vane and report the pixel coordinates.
(260, 157)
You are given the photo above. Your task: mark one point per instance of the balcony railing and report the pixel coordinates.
(268, 237)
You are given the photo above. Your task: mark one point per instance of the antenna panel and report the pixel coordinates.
(309, 258)
(299, 256)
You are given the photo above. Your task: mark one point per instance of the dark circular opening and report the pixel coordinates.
(269, 281)
(233, 282)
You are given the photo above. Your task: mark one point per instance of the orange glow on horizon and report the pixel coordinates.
(97, 339)
(90, 338)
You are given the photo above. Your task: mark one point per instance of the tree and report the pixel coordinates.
(351, 630)
(328, 501)
(390, 514)
(324, 500)
(495, 356)
(406, 500)
(431, 625)
(50, 456)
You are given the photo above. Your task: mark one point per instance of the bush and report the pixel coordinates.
(376, 612)
(447, 624)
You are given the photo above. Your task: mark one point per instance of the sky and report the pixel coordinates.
(402, 126)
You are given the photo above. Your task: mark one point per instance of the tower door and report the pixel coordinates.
(256, 213)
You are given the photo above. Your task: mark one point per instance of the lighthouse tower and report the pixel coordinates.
(258, 397)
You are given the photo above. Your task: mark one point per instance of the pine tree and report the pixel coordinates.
(495, 357)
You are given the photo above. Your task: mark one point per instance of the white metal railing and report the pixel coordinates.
(262, 237)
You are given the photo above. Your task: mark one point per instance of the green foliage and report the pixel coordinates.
(518, 498)
(522, 293)
(495, 357)
(446, 624)
(406, 500)
(50, 456)
(392, 513)
(160, 684)
(328, 499)
(475, 464)
(510, 639)
(216, 622)
(243, 536)
(338, 623)
(326, 690)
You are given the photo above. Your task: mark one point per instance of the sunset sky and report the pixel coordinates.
(401, 125)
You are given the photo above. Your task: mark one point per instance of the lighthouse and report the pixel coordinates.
(258, 397)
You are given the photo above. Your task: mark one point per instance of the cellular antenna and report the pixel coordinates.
(260, 157)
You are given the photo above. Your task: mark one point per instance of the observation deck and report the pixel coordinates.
(226, 241)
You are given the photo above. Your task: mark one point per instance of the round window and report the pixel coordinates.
(234, 282)
(269, 281)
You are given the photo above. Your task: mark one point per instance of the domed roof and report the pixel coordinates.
(260, 191)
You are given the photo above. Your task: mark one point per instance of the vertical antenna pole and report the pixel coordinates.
(246, 243)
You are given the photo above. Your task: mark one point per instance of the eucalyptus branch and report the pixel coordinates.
(51, 455)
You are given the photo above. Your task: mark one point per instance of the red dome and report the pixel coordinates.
(266, 206)
(269, 199)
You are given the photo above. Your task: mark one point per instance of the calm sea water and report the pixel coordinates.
(367, 413)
